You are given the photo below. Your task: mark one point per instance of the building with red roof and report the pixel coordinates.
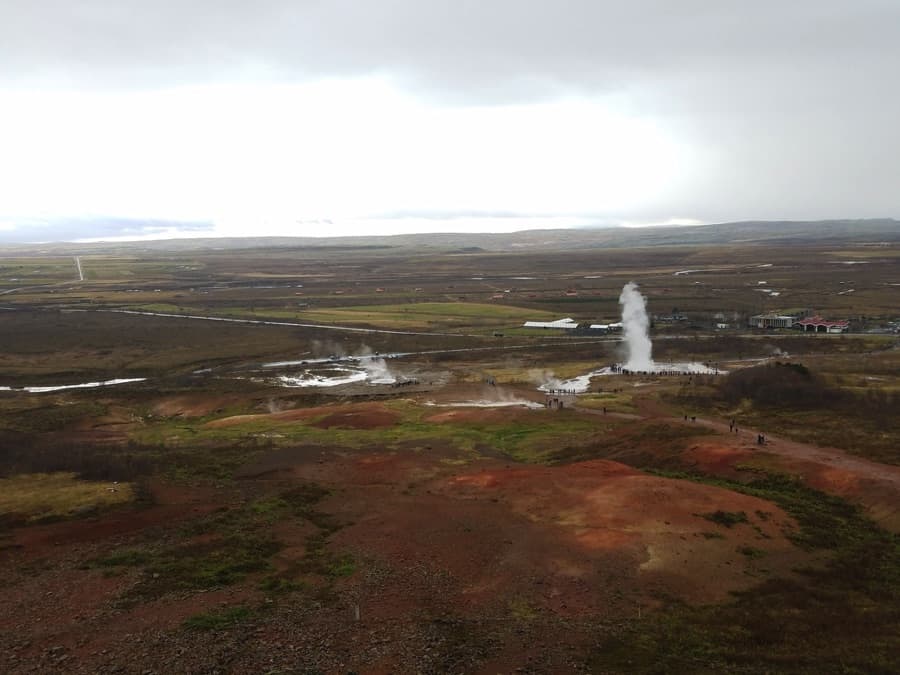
(816, 324)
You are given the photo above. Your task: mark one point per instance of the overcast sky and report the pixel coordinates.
(318, 117)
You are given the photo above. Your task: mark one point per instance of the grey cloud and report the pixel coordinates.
(463, 47)
(793, 103)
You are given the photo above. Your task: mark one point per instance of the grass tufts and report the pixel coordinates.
(226, 618)
(726, 518)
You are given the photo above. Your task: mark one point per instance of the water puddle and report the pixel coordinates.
(84, 385)
(582, 383)
(517, 403)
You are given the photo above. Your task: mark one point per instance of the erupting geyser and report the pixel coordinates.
(636, 337)
(638, 348)
(635, 327)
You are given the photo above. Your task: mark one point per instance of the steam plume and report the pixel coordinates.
(377, 371)
(635, 326)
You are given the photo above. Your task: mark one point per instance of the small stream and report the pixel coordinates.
(43, 389)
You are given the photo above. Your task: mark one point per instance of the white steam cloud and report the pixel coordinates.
(635, 327)
(376, 368)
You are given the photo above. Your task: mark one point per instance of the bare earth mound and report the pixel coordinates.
(354, 416)
(589, 534)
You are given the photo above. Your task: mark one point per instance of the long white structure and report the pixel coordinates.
(566, 324)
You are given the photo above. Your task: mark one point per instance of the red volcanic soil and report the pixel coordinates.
(493, 544)
(715, 458)
(517, 566)
(590, 534)
(171, 504)
(116, 418)
(57, 611)
(192, 405)
(360, 416)
(503, 415)
(353, 416)
(875, 487)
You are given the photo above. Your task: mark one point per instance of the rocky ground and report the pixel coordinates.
(409, 558)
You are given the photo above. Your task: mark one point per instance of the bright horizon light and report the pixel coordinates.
(285, 158)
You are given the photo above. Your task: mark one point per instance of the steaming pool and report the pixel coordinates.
(575, 385)
(582, 383)
(482, 403)
(334, 376)
(329, 372)
(684, 368)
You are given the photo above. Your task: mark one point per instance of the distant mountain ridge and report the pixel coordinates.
(744, 232)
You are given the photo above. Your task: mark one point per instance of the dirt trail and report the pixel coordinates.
(871, 484)
(874, 485)
(778, 445)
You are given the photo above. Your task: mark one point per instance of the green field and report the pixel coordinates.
(432, 316)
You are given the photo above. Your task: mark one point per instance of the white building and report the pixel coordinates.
(566, 324)
(774, 320)
(607, 327)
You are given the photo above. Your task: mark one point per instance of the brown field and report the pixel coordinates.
(431, 525)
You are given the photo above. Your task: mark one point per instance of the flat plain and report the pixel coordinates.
(344, 458)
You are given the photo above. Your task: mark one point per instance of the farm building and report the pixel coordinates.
(816, 324)
(566, 324)
(785, 319)
(669, 318)
(606, 327)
